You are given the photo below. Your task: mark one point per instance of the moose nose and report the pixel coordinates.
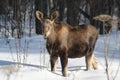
(45, 37)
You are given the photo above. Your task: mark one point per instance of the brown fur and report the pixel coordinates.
(65, 41)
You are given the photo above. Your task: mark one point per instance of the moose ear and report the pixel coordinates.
(54, 15)
(39, 15)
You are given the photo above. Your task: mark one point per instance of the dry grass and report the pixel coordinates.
(9, 70)
(107, 18)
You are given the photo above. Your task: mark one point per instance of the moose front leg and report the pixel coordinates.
(53, 61)
(64, 61)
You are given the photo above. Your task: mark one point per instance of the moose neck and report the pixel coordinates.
(53, 36)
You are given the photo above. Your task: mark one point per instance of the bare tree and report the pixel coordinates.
(100, 7)
(17, 17)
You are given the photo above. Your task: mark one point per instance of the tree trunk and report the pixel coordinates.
(72, 12)
(118, 6)
(17, 17)
(2, 6)
(61, 4)
(42, 6)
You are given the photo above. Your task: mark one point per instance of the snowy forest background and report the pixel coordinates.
(16, 14)
(23, 55)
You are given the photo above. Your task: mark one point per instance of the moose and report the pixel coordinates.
(66, 41)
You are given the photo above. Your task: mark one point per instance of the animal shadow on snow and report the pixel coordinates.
(73, 68)
(58, 70)
(7, 63)
(70, 70)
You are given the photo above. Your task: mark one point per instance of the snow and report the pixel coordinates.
(36, 65)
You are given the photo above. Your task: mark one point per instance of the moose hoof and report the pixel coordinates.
(88, 69)
(53, 71)
(96, 68)
(65, 75)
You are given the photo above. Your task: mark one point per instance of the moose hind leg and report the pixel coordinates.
(94, 62)
(64, 61)
(53, 61)
(88, 59)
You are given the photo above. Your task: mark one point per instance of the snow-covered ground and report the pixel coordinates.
(36, 64)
